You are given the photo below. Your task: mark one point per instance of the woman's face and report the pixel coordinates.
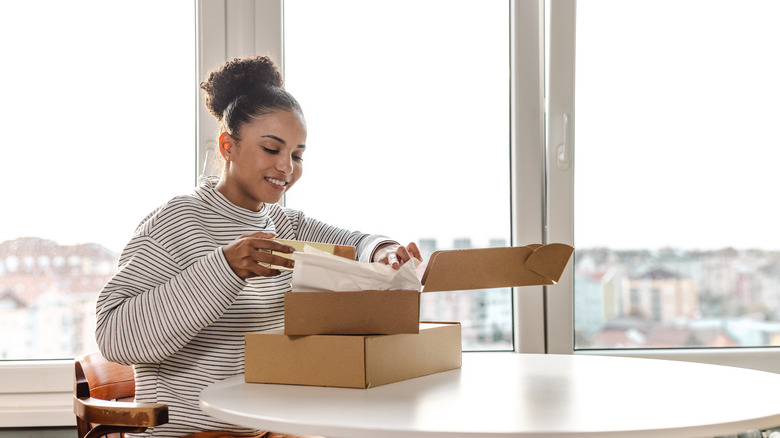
(267, 160)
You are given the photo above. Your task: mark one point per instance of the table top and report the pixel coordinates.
(518, 395)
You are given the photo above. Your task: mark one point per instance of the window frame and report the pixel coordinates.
(561, 52)
(527, 157)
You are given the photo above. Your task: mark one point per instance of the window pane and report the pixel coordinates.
(98, 118)
(675, 211)
(407, 109)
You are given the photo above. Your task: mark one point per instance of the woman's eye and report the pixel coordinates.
(297, 158)
(270, 151)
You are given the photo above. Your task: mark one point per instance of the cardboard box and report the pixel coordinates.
(394, 312)
(351, 361)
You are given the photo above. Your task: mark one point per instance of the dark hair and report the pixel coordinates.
(244, 88)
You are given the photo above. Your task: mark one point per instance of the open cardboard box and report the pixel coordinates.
(370, 338)
(398, 312)
(351, 361)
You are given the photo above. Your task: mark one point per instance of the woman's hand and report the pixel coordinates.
(252, 254)
(395, 255)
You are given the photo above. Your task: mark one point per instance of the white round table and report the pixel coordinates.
(518, 395)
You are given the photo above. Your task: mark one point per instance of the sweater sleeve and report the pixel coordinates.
(152, 307)
(312, 230)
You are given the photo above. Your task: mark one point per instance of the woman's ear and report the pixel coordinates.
(225, 145)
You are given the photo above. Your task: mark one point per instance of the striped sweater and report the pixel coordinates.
(177, 312)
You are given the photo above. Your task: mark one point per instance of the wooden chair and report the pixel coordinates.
(103, 395)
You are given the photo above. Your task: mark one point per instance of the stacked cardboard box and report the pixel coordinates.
(370, 338)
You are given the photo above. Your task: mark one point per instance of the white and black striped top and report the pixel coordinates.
(178, 313)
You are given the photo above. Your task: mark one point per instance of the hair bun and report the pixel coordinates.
(238, 77)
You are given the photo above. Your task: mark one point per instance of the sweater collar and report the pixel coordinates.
(206, 190)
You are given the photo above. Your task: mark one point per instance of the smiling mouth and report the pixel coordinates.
(276, 182)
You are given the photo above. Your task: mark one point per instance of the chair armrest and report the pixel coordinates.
(130, 414)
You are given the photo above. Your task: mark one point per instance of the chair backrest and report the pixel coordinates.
(103, 400)
(106, 380)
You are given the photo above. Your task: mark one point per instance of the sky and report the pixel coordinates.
(97, 130)
(676, 113)
(675, 137)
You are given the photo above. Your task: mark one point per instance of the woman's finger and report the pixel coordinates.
(392, 260)
(403, 254)
(414, 251)
(267, 258)
(270, 245)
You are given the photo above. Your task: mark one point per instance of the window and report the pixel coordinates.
(407, 111)
(98, 118)
(673, 218)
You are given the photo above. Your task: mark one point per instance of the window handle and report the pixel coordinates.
(564, 150)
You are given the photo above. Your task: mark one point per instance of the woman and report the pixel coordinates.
(193, 279)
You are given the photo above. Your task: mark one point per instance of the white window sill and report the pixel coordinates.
(36, 393)
(38, 417)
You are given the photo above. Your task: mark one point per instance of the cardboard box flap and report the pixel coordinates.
(549, 260)
(489, 268)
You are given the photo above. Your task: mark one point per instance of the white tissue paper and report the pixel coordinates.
(316, 271)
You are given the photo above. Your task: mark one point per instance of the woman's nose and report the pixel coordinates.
(285, 164)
